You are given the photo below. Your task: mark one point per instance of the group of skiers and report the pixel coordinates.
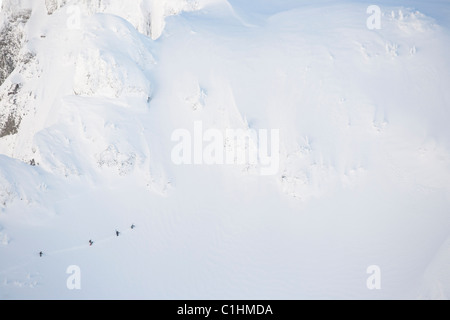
(92, 242)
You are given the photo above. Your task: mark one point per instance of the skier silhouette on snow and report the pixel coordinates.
(117, 233)
(41, 254)
(91, 243)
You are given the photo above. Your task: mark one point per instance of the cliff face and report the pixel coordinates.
(147, 16)
(11, 42)
(12, 55)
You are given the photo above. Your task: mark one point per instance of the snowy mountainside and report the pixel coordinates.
(92, 93)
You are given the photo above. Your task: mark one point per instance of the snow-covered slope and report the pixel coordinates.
(92, 93)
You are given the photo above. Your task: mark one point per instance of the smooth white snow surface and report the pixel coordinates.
(364, 172)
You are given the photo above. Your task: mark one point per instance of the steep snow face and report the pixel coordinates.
(93, 92)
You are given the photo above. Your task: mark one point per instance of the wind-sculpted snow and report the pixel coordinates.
(116, 113)
(147, 16)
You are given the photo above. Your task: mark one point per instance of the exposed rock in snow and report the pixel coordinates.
(91, 93)
(12, 39)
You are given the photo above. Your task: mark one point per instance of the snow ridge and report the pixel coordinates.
(91, 93)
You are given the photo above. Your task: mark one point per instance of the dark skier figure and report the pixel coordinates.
(41, 254)
(117, 233)
(91, 243)
(133, 226)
